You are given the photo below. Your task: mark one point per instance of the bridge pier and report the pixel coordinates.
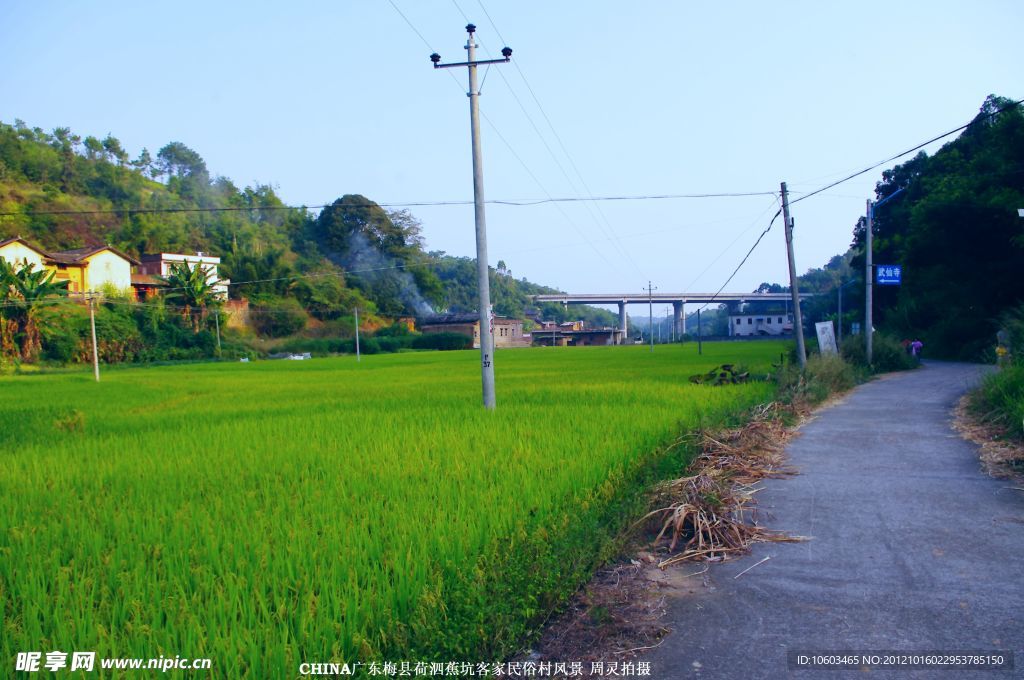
(622, 321)
(678, 320)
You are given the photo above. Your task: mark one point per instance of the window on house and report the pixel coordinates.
(780, 319)
(750, 321)
(738, 321)
(769, 319)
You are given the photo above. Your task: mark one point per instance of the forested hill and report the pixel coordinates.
(952, 225)
(63, 191)
(956, 232)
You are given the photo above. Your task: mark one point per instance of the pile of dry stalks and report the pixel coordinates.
(706, 515)
(1000, 456)
(710, 514)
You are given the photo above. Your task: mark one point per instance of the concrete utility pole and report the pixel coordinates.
(483, 273)
(650, 304)
(358, 359)
(868, 281)
(869, 269)
(700, 345)
(798, 321)
(92, 324)
(216, 322)
(839, 318)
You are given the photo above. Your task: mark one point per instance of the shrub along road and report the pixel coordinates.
(913, 548)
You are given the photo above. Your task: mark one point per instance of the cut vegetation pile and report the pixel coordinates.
(707, 515)
(711, 512)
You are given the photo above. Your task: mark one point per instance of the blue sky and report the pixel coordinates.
(648, 98)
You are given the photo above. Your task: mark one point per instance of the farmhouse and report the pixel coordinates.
(85, 269)
(93, 269)
(159, 264)
(776, 323)
(102, 268)
(507, 332)
(581, 337)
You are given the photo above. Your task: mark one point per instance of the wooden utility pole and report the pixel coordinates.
(798, 321)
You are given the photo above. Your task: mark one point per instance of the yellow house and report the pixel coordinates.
(93, 269)
(85, 269)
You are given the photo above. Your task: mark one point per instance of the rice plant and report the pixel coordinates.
(270, 513)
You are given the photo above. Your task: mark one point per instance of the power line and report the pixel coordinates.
(610, 232)
(558, 138)
(845, 179)
(908, 151)
(550, 199)
(527, 202)
(734, 241)
(744, 260)
(414, 30)
(523, 163)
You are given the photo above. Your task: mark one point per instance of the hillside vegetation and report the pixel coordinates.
(954, 230)
(300, 268)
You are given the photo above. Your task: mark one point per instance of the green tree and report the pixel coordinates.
(112, 147)
(179, 160)
(956, 233)
(93, 148)
(144, 163)
(381, 252)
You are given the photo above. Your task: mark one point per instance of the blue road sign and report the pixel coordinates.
(888, 274)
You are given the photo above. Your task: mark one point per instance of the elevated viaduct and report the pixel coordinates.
(677, 300)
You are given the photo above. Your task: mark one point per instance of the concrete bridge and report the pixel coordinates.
(677, 300)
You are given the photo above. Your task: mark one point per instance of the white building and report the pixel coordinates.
(159, 264)
(760, 324)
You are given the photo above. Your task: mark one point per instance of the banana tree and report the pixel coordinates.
(194, 289)
(22, 290)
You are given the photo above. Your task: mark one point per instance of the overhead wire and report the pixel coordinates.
(744, 260)
(561, 144)
(734, 241)
(856, 174)
(603, 223)
(908, 151)
(526, 202)
(516, 155)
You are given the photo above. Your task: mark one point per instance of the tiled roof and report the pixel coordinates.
(76, 255)
(18, 239)
(442, 319)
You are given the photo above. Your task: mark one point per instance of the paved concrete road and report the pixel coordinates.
(913, 547)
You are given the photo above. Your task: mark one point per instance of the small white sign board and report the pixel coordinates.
(826, 338)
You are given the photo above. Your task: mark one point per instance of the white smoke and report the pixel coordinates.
(370, 265)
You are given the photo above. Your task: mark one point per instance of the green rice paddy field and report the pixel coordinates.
(272, 513)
